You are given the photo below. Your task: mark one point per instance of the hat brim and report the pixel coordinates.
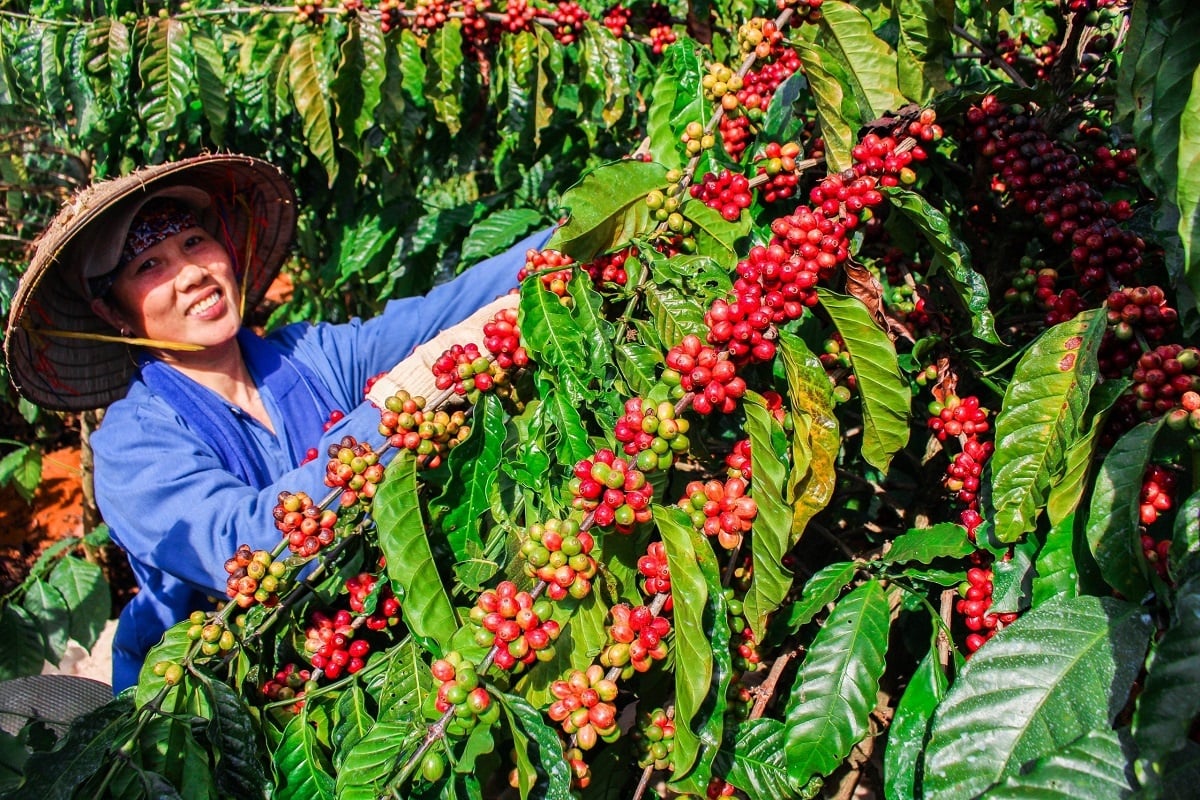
(252, 210)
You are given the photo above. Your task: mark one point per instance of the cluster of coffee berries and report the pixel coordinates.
(254, 577)
(719, 787)
(214, 636)
(721, 84)
(429, 16)
(746, 654)
(806, 10)
(1158, 493)
(836, 359)
(962, 476)
(559, 554)
(752, 99)
(637, 639)
(552, 268)
(467, 371)
(616, 19)
(303, 523)
(568, 19)
(1046, 181)
(170, 671)
(728, 193)
(391, 15)
(518, 15)
(289, 683)
(697, 368)
(778, 163)
(610, 267)
(1163, 376)
(720, 509)
(519, 628)
(615, 492)
(583, 706)
(656, 575)
(310, 13)
(661, 37)
(459, 688)
(737, 462)
(760, 36)
(696, 140)
(975, 600)
(1156, 552)
(655, 739)
(406, 424)
(957, 416)
(381, 607)
(330, 644)
(1185, 418)
(652, 433)
(355, 469)
(502, 338)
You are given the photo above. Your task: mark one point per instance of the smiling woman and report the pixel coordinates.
(136, 295)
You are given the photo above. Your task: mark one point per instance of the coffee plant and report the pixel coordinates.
(845, 435)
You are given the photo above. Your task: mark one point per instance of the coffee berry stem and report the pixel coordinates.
(689, 172)
(122, 753)
(434, 734)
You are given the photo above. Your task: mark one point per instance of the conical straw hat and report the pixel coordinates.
(52, 357)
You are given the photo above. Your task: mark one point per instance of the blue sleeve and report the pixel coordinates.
(346, 355)
(173, 506)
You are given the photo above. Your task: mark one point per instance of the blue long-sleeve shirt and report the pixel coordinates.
(179, 513)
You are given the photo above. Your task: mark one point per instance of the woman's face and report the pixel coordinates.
(182, 290)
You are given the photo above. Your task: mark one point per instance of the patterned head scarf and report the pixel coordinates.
(159, 219)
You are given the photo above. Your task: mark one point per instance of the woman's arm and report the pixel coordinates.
(173, 506)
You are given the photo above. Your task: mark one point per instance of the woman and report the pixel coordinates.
(135, 297)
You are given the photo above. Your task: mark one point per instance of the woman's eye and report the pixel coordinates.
(148, 264)
(193, 241)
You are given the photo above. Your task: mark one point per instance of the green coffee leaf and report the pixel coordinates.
(497, 232)
(608, 80)
(819, 591)
(1170, 700)
(909, 731)
(771, 535)
(1066, 493)
(86, 593)
(352, 721)
(753, 759)
(554, 340)
(952, 256)
(174, 647)
(885, 394)
(830, 702)
(869, 62)
(238, 767)
(1039, 420)
(924, 43)
(370, 763)
(1186, 538)
(165, 74)
(541, 768)
(48, 609)
(924, 545)
(407, 685)
(638, 365)
(837, 112)
(474, 473)
(24, 649)
(22, 468)
(410, 563)
(212, 83)
(1187, 189)
(301, 768)
(1060, 671)
(1115, 512)
(310, 91)
(675, 315)
(608, 208)
(443, 82)
(699, 618)
(1055, 573)
(816, 439)
(1092, 766)
(716, 237)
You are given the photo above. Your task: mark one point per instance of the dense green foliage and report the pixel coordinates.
(966, 563)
